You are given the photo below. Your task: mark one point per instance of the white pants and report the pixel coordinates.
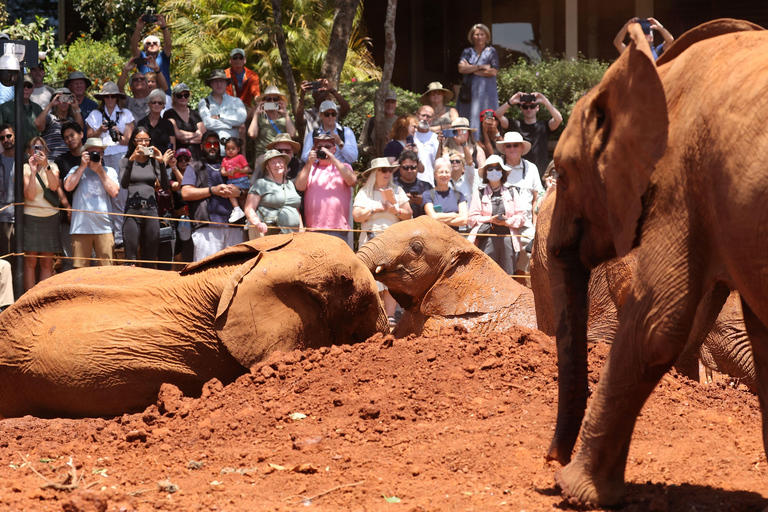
(209, 240)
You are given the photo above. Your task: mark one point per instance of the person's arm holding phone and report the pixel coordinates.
(618, 41)
(42, 118)
(136, 37)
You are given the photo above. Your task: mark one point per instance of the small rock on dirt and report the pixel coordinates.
(85, 501)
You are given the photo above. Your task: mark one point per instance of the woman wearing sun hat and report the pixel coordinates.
(273, 202)
(464, 141)
(112, 124)
(380, 203)
(497, 209)
(435, 97)
(267, 123)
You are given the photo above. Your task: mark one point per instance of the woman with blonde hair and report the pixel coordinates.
(479, 64)
(41, 217)
(380, 203)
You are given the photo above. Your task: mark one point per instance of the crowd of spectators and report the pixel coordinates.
(242, 165)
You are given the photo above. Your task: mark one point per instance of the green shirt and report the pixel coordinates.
(31, 112)
(278, 204)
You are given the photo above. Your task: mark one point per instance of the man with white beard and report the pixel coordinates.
(428, 143)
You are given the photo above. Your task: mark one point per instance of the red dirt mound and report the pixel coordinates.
(451, 422)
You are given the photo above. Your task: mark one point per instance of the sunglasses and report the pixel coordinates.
(285, 151)
(237, 56)
(210, 145)
(513, 145)
(455, 161)
(28, 86)
(330, 114)
(151, 43)
(527, 107)
(157, 103)
(182, 95)
(386, 171)
(183, 159)
(409, 167)
(6, 137)
(138, 79)
(111, 97)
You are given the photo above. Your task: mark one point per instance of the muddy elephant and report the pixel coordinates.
(725, 349)
(100, 341)
(441, 279)
(649, 160)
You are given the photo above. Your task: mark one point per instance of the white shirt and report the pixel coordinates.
(121, 117)
(527, 185)
(428, 145)
(466, 183)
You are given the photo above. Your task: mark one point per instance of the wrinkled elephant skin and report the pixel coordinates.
(648, 161)
(440, 279)
(100, 341)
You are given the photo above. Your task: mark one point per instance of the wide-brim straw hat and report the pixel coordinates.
(271, 91)
(77, 75)
(94, 142)
(378, 163)
(511, 138)
(269, 155)
(285, 138)
(109, 89)
(218, 74)
(491, 160)
(462, 123)
(436, 86)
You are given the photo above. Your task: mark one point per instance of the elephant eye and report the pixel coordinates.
(417, 246)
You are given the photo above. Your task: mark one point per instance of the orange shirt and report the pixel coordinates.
(250, 89)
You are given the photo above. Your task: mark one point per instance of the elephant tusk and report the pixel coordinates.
(378, 269)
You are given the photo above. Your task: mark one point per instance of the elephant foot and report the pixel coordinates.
(581, 489)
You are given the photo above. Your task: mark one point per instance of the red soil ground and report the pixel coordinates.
(456, 422)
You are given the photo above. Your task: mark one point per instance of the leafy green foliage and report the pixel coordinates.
(113, 21)
(360, 96)
(38, 31)
(562, 81)
(98, 60)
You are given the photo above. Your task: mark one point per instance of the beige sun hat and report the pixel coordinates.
(93, 142)
(378, 163)
(436, 86)
(283, 138)
(511, 138)
(462, 123)
(271, 91)
(493, 160)
(269, 155)
(109, 89)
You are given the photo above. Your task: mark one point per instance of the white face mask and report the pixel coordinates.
(493, 175)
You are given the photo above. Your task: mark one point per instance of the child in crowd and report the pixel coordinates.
(235, 167)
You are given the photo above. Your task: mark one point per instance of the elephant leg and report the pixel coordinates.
(687, 363)
(758, 335)
(651, 336)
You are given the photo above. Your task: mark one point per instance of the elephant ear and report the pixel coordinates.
(470, 283)
(234, 252)
(631, 136)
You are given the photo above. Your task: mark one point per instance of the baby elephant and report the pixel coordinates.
(441, 279)
(100, 341)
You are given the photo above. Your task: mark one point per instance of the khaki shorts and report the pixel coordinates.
(83, 247)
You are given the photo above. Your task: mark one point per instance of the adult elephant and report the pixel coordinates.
(726, 348)
(649, 160)
(441, 279)
(100, 341)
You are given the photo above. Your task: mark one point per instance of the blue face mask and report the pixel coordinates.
(493, 175)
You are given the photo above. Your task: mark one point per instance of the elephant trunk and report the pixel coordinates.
(570, 283)
(371, 255)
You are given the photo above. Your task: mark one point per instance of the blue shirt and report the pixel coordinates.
(91, 196)
(164, 61)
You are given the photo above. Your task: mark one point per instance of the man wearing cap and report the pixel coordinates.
(648, 25)
(31, 111)
(93, 185)
(328, 184)
(309, 119)
(428, 143)
(220, 112)
(138, 103)
(78, 83)
(524, 176)
(152, 48)
(341, 135)
(72, 134)
(245, 83)
(367, 144)
(42, 93)
(7, 188)
(207, 196)
(535, 131)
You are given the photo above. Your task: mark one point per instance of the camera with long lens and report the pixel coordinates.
(111, 127)
(95, 156)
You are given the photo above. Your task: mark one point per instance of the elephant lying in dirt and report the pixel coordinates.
(100, 341)
(441, 279)
(649, 161)
(726, 348)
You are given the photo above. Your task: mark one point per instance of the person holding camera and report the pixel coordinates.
(160, 129)
(499, 211)
(93, 185)
(152, 47)
(341, 135)
(139, 173)
(307, 120)
(270, 119)
(141, 85)
(648, 25)
(535, 131)
(405, 176)
(110, 123)
(41, 218)
(59, 111)
(460, 138)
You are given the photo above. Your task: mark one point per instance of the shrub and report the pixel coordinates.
(360, 96)
(97, 60)
(562, 81)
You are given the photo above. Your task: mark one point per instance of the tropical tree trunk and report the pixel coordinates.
(277, 12)
(343, 17)
(386, 76)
